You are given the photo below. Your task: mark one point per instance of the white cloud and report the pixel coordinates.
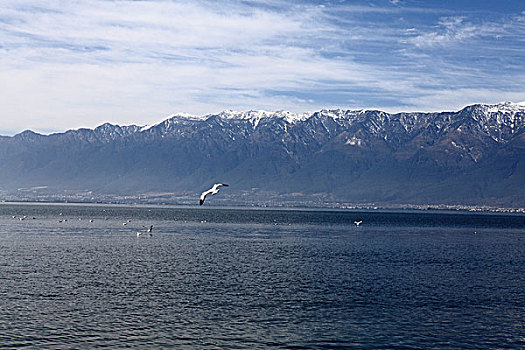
(453, 30)
(455, 99)
(83, 64)
(78, 64)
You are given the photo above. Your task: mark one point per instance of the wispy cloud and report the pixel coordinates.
(455, 30)
(73, 64)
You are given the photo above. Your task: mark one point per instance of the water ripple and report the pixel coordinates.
(315, 284)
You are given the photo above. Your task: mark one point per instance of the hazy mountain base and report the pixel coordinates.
(255, 199)
(472, 157)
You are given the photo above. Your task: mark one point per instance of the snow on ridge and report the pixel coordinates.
(181, 115)
(146, 127)
(186, 116)
(339, 113)
(252, 115)
(256, 115)
(508, 107)
(493, 117)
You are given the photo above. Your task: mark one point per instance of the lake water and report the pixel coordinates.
(259, 279)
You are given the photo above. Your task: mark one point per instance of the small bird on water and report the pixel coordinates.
(149, 230)
(214, 190)
(357, 223)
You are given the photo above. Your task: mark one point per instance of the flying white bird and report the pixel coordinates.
(213, 190)
(357, 223)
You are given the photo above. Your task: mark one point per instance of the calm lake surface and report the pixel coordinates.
(259, 279)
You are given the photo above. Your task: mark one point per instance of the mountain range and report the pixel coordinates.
(475, 156)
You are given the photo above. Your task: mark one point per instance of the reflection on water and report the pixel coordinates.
(211, 278)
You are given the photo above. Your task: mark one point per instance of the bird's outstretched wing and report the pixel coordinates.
(203, 196)
(216, 186)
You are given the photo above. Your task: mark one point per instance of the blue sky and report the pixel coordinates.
(71, 64)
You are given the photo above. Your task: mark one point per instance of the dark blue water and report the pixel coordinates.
(259, 279)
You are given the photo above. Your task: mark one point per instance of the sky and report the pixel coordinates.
(72, 64)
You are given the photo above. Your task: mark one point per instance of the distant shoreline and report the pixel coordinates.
(249, 206)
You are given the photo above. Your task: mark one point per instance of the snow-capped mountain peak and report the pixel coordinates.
(505, 107)
(172, 120)
(256, 115)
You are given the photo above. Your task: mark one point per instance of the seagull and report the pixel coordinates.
(357, 223)
(213, 190)
(149, 230)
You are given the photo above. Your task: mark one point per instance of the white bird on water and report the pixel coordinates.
(213, 190)
(357, 223)
(149, 230)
